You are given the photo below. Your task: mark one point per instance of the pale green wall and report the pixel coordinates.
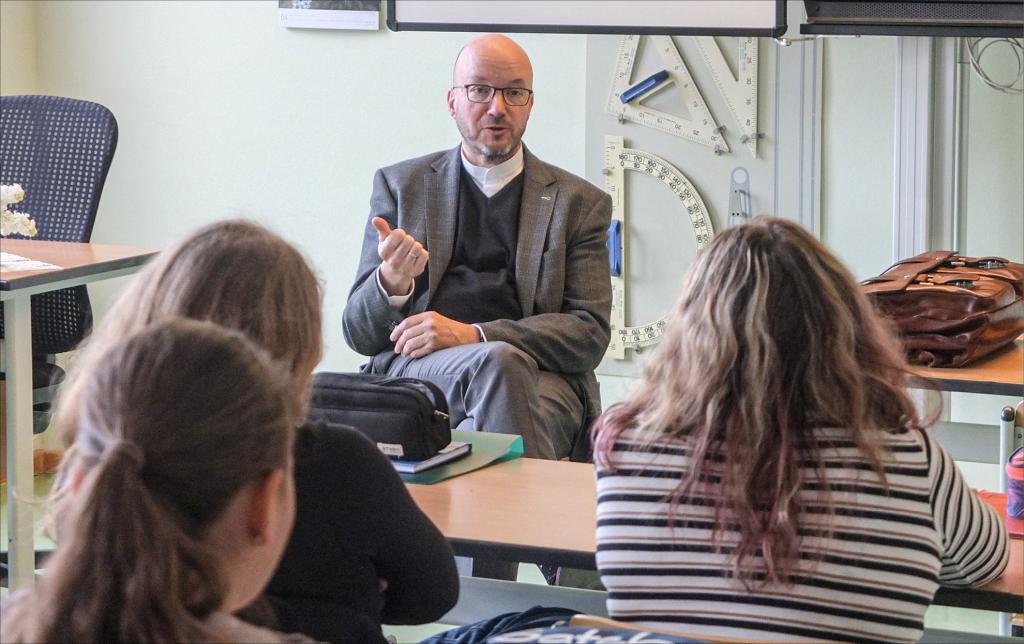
(857, 151)
(994, 200)
(17, 47)
(994, 209)
(857, 156)
(223, 112)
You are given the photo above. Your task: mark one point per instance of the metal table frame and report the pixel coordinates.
(16, 288)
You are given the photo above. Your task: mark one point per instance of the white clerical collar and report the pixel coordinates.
(491, 180)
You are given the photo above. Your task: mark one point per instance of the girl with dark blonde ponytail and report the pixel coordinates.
(349, 566)
(180, 500)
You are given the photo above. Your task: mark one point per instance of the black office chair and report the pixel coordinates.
(59, 150)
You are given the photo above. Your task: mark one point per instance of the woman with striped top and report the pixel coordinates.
(769, 478)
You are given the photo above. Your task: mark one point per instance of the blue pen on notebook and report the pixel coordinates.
(646, 84)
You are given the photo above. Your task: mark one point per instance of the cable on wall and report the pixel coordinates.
(976, 48)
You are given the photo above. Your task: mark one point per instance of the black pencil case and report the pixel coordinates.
(406, 417)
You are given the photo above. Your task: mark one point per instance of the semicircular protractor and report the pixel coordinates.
(617, 160)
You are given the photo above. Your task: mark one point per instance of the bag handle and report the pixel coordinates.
(906, 271)
(987, 263)
(959, 278)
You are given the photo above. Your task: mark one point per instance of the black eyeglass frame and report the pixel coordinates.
(494, 90)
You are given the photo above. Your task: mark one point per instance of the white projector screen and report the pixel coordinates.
(676, 17)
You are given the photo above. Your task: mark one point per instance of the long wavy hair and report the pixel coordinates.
(770, 338)
(235, 273)
(174, 421)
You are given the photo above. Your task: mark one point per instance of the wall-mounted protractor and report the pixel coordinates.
(617, 160)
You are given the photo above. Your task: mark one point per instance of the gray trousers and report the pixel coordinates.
(495, 387)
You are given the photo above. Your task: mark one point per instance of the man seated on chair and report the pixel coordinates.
(485, 271)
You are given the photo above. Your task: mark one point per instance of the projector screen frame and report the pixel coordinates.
(775, 31)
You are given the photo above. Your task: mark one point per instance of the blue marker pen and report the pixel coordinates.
(646, 84)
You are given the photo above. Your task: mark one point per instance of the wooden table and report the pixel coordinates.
(544, 512)
(1001, 373)
(522, 510)
(78, 264)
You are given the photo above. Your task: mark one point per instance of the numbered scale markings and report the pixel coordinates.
(617, 160)
(739, 89)
(701, 127)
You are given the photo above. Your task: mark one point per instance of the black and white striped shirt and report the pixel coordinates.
(889, 552)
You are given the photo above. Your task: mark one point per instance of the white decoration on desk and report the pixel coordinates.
(11, 221)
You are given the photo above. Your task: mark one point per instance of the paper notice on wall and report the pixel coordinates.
(9, 262)
(329, 14)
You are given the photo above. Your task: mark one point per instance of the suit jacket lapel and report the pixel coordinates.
(441, 206)
(538, 202)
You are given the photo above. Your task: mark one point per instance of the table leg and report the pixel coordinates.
(20, 489)
(1006, 443)
(1006, 446)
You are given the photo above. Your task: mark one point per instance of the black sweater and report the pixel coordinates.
(480, 285)
(356, 524)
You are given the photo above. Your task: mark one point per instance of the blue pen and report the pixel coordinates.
(644, 85)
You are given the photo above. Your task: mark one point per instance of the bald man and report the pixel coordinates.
(485, 271)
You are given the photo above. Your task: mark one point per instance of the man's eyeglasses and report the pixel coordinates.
(515, 96)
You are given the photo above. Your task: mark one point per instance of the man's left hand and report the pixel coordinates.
(424, 333)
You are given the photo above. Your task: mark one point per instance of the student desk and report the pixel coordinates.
(78, 264)
(999, 374)
(544, 512)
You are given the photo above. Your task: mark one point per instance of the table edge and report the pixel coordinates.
(86, 270)
(979, 599)
(526, 554)
(993, 387)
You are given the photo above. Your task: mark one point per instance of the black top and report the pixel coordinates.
(480, 284)
(355, 525)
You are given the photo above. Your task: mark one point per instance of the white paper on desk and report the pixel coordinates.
(11, 262)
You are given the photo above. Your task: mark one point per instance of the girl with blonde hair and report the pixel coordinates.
(361, 553)
(769, 478)
(180, 499)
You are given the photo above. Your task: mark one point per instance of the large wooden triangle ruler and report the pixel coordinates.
(700, 127)
(740, 89)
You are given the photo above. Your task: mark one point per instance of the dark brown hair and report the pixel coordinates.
(173, 422)
(771, 338)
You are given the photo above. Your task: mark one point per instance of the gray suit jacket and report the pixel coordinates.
(561, 265)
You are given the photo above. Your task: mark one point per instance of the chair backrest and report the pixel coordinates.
(59, 150)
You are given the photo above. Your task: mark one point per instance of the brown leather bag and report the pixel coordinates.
(950, 309)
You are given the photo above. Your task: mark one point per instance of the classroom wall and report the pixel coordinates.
(17, 47)
(994, 205)
(222, 112)
(859, 89)
(858, 93)
(993, 213)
